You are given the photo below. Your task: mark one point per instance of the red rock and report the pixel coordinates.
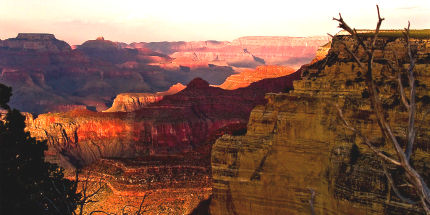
(249, 76)
(88, 75)
(179, 123)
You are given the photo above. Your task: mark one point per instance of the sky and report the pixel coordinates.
(76, 21)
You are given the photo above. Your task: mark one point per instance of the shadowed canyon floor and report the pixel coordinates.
(166, 185)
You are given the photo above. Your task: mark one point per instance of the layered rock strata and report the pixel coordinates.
(296, 144)
(47, 75)
(179, 123)
(166, 185)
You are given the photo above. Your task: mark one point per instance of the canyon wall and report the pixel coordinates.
(296, 144)
(177, 124)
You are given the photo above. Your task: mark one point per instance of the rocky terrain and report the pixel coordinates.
(168, 184)
(179, 123)
(127, 102)
(161, 151)
(296, 143)
(47, 75)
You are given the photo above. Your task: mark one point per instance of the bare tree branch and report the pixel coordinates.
(403, 157)
(311, 201)
(412, 86)
(141, 203)
(393, 186)
(103, 212)
(365, 139)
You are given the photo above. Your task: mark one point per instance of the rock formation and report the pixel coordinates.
(178, 123)
(46, 73)
(127, 102)
(296, 143)
(36, 42)
(248, 76)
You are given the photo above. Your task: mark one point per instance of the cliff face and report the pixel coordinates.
(248, 76)
(127, 102)
(179, 123)
(296, 143)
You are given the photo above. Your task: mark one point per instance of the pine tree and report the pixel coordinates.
(29, 184)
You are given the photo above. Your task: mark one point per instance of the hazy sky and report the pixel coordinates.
(171, 20)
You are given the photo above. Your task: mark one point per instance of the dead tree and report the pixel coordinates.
(402, 157)
(86, 195)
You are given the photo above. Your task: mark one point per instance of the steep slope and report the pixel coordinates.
(296, 143)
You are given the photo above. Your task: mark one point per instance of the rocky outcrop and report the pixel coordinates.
(248, 76)
(127, 102)
(179, 123)
(296, 144)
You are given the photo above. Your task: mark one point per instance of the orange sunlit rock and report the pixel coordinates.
(248, 76)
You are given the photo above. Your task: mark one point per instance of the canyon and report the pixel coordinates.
(242, 147)
(161, 150)
(295, 144)
(49, 75)
(247, 52)
(127, 102)
(177, 124)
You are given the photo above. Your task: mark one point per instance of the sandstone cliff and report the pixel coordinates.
(296, 143)
(127, 102)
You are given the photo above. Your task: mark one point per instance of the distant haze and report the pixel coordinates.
(76, 21)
